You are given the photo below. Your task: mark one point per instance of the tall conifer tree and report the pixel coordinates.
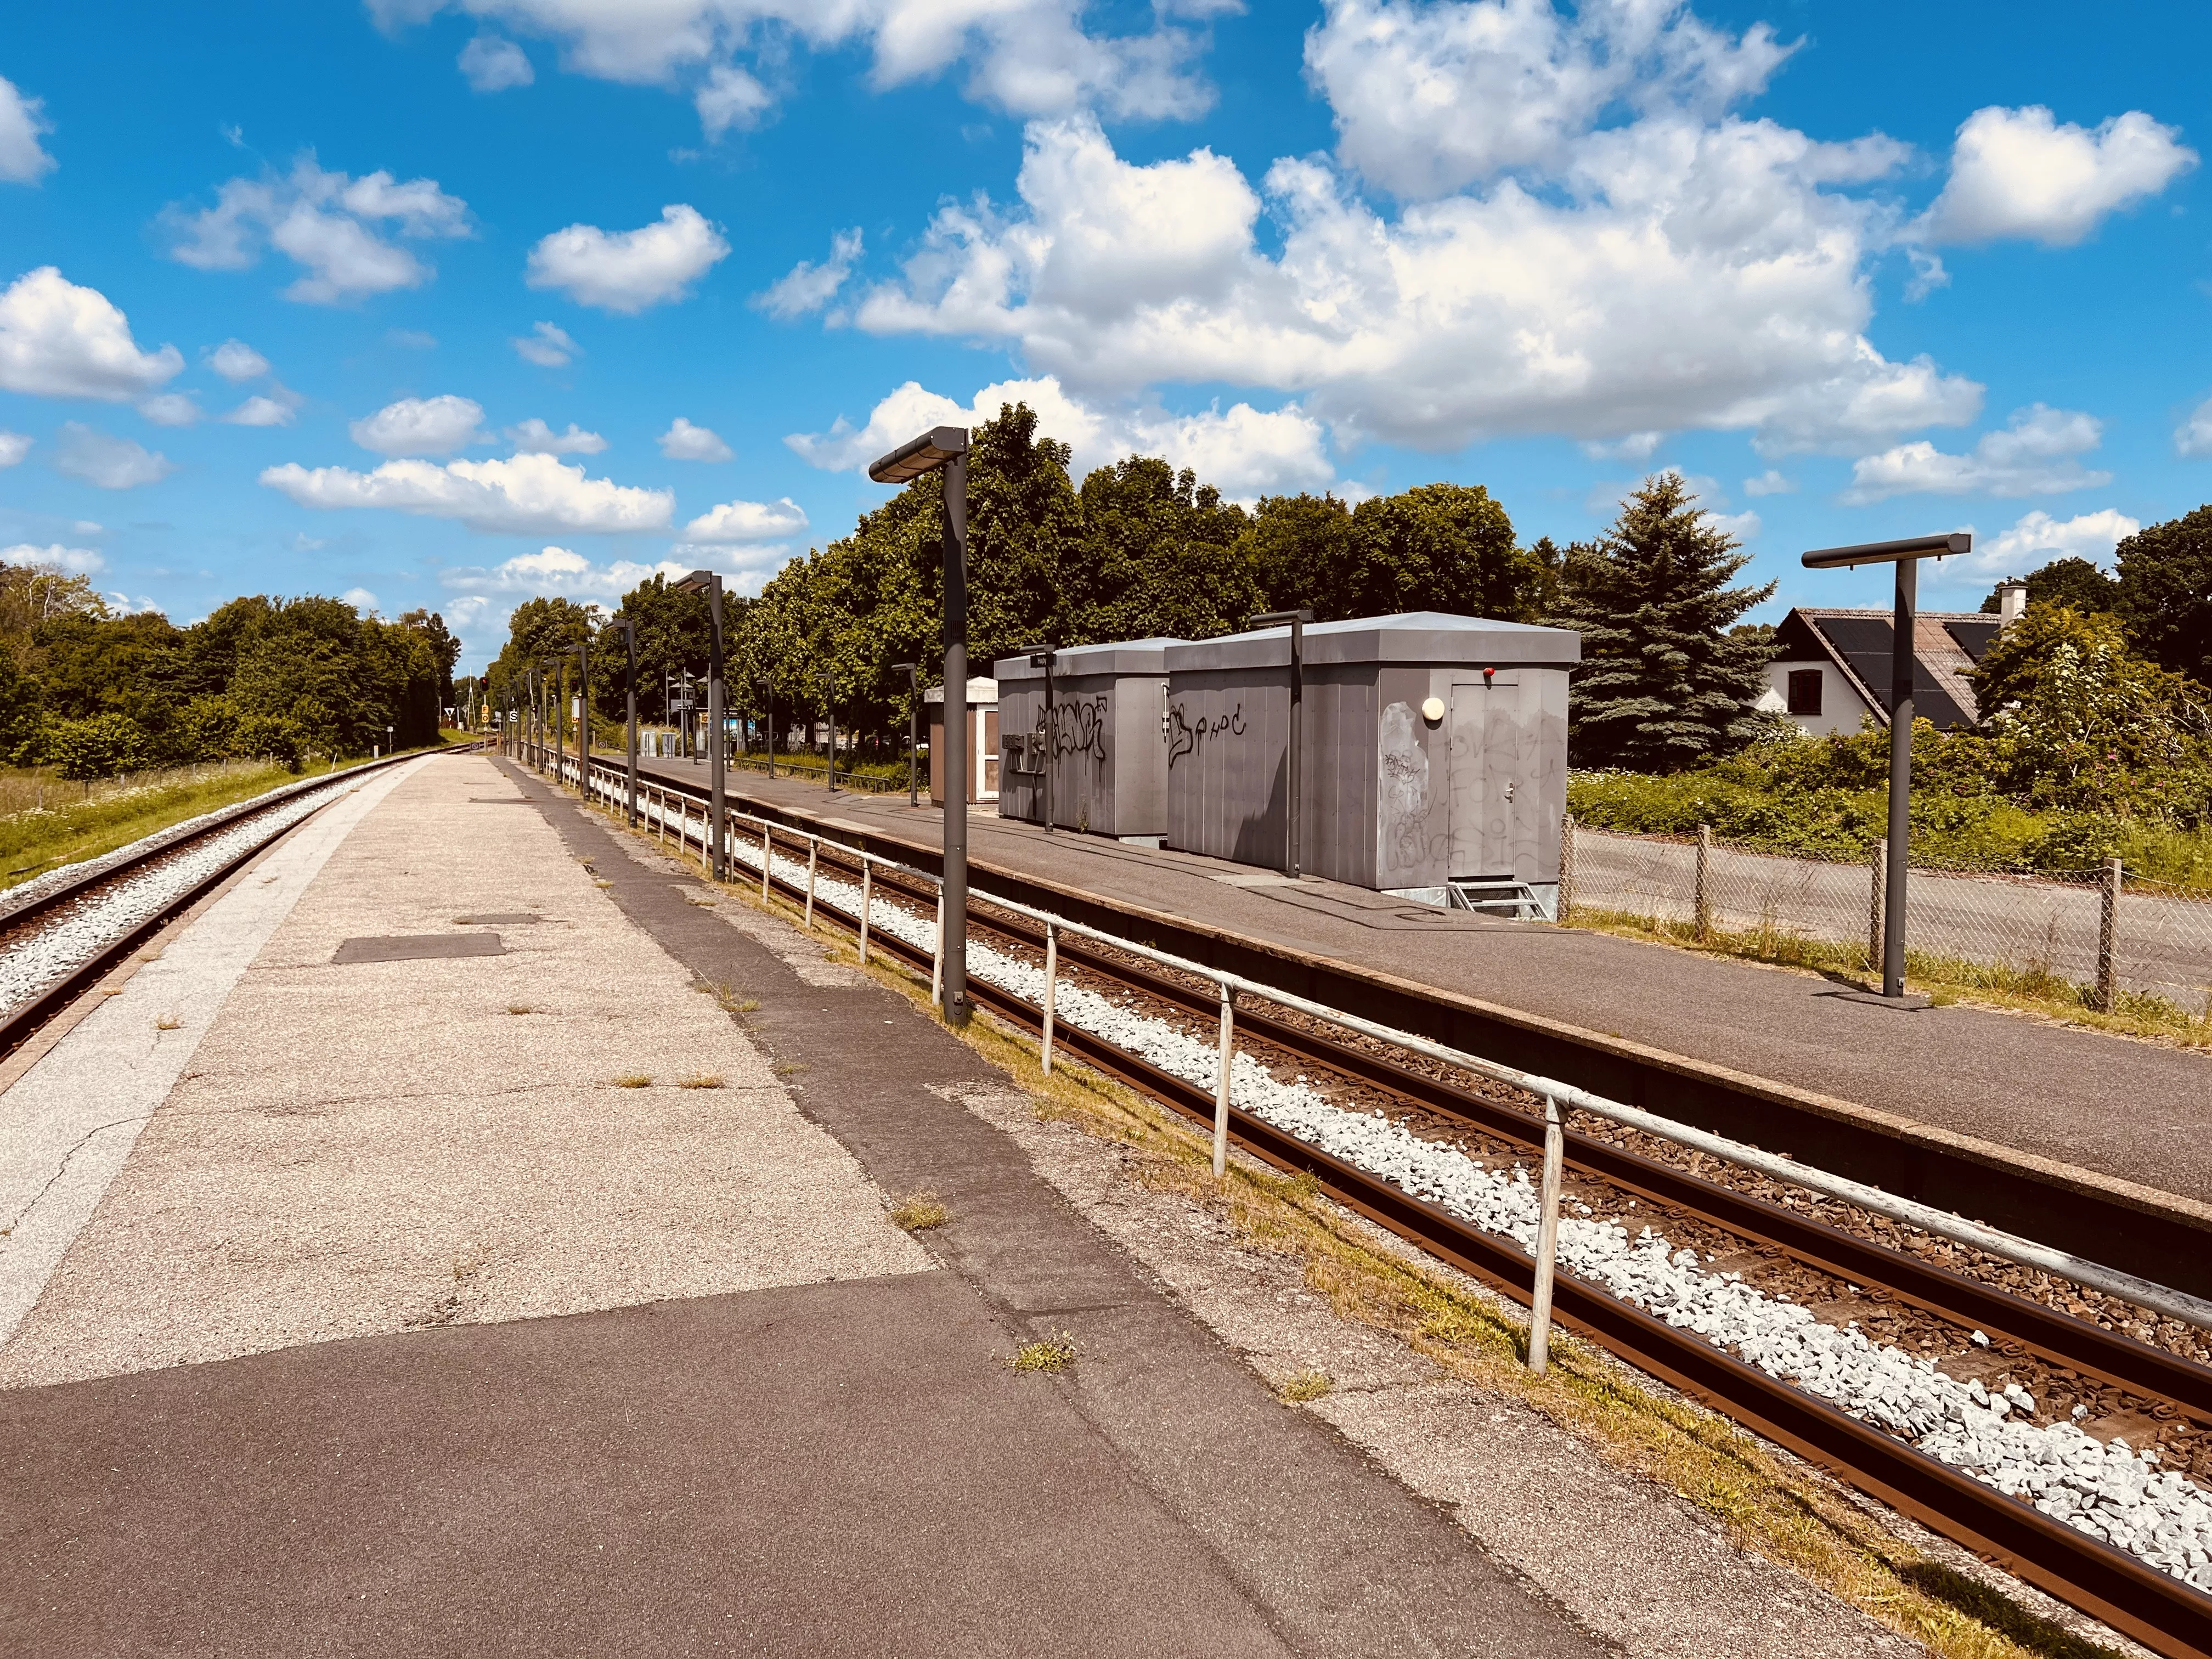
(1662, 685)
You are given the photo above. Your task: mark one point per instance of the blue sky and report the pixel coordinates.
(308, 298)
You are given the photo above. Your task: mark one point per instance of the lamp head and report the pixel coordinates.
(1913, 547)
(699, 581)
(924, 454)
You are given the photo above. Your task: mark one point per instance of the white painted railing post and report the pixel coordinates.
(1547, 1241)
(1051, 988)
(936, 954)
(767, 857)
(1221, 1086)
(868, 904)
(813, 853)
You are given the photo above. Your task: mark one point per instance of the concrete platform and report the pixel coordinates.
(2138, 1111)
(378, 1315)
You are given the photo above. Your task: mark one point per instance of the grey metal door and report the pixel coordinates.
(1495, 805)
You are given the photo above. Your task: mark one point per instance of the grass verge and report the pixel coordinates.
(2033, 989)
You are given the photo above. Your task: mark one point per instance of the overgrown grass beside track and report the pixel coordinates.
(46, 821)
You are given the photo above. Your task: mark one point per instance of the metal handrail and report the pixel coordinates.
(2007, 1247)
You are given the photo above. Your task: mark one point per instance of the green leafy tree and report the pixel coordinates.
(1436, 547)
(673, 638)
(1162, 555)
(98, 746)
(2073, 582)
(2164, 594)
(1664, 684)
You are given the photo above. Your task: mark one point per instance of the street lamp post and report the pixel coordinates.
(709, 582)
(629, 701)
(912, 672)
(1293, 851)
(1905, 556)
(829, 704)
(946, 448)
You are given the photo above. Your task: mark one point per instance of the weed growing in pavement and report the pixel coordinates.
(1051, 1355)
(520, 1008)
(634, 1080)
(167, 1023)
(789, 1067)
(1306, 1385)
(919, 1211)
(701, 1080)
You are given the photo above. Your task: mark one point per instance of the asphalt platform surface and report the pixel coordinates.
(2138, 1110)
(403, 1324)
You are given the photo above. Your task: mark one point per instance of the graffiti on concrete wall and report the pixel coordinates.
(1078, 727)
(1184, 738)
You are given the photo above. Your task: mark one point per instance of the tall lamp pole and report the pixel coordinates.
(1293, 851)
(709, 582)
(629, 700)
(1905, 556)
(912, 672)
(946, 448)
(829, 703)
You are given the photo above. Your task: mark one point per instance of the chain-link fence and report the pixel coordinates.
(2105, 938)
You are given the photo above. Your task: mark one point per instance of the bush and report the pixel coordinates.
(272, 735)
(100, 747)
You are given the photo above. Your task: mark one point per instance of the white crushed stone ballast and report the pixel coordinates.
(2109, 1491)
(50, 949)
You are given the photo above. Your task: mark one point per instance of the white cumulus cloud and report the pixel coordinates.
(14, 446)
(109, 462)
(525, 494)
(420, 426)
(2194, 435)
(170, 408)
(1770, 482)
(360, 598)
(534, 437)
(2038, 539)
(237, 362)
(259, 410)
(1469, 317)
(1244, 451)
(1429, 98)
(684, 441)
(76, 561)
(1028, 56)
(336, 229)
(2034, 454)
(58, 340)
(493, 64)
(748, 521)
(547, 346)
(806, 287)
(630, 270)
(22, 161)
(2019, 173)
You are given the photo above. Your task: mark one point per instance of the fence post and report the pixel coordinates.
(936, 954)
(1051, 987)
(1221, 1086)
(1548, 1241)
(813, 853)
(2108, 941)
(1566, 906)
(768, 858)
(1702, 900)
(1880, 866)
(867, 892)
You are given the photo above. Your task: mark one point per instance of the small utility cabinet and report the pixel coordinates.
(1106, 742)
(1434, 761)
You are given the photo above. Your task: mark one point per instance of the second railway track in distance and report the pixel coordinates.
(1929, 1297)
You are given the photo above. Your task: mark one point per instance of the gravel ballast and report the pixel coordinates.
(2109, 1491)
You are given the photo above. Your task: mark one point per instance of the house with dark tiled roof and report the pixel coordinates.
(1830, 668)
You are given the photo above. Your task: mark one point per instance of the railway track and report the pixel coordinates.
(1946, 1307)
(60, 939)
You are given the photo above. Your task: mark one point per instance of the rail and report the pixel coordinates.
(2147, 1603)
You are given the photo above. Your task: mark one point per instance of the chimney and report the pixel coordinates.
(2012, 599)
